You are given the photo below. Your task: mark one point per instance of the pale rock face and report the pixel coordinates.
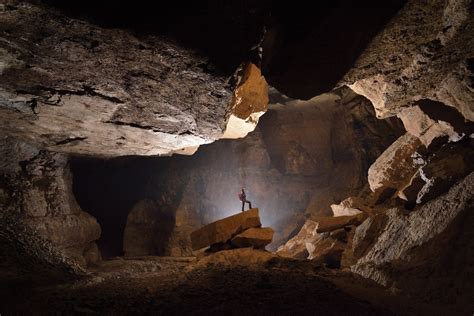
(88, 91)
(347, 207)
(400, 237)
(250, 101)
(394, 167)
(297, 247)
(425, 52)
(419, 124)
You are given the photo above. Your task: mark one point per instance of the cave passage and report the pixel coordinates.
(108, 189)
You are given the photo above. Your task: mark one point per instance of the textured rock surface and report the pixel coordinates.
(225, 229)
(148, 230)
(296, 246)
(348, 207)
(38, 186)
(71, 86)
(250, 101)
(253, 237)
(425, 52)
(316, 171)
(425, 252)
(328, 224)
(394, 167)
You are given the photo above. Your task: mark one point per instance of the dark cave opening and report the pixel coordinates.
(108, 189)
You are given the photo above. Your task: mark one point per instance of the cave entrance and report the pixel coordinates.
(109, 190)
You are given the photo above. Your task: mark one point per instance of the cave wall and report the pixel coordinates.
(36, 187)
(303, 156)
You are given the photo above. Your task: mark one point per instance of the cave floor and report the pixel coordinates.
(154, 285)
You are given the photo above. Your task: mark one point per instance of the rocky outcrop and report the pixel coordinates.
(398, 249)
(38, 186)
(253, 237)
(224, 230)
(250, 101)
(148, 230)
(68, 85)
(394, 168)
(425, 52)
(329, 224)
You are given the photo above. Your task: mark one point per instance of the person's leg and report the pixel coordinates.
(250, 204)
(243, 206)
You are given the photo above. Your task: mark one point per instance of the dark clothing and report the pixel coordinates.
(243, 198)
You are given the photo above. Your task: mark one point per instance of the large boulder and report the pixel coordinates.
(253, 237)
(328, 224)
(394, 168)
(296, 246)
(225, 229)
(426, 253)
(72, 86)
(148, 229)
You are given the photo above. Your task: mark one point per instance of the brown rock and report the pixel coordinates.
(148, 230)
(235, 257)
(394, 168)
(328, 224)
(224, 229)
(250, 101)
(88, 91)
(296, 246)
(253, 237)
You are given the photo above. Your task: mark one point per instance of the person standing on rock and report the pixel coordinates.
(243, 198)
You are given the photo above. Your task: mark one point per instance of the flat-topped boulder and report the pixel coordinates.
(225, 229)
(253, 237)
(328, 224)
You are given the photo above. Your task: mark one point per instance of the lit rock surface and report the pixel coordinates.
(225, 229)
(250, 101)
(425, 52)
(347, 207)
(394, 167)
(444, 122)
(296, 246)
(74, 87)
(328, 224)
(394, 241)
(253, 237)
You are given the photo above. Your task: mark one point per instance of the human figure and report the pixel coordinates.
(243, 198)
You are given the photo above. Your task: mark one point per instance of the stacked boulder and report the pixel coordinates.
(242, 230)
(323, 239)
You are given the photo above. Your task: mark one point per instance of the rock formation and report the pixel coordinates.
(37, 186)
(239, 230)
(75, 87)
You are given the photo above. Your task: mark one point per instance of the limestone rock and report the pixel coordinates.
(328, 224)
(38, 186)
(394, 168)
(347, 207)
(253, 237)
(225, 229)
(296, 246)
(147, 230)
(409, 241)
(328, 251)
(92, 254)
(75, 87)
(431, 120)
(445, 167)
(400, 67)
(250, 101)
